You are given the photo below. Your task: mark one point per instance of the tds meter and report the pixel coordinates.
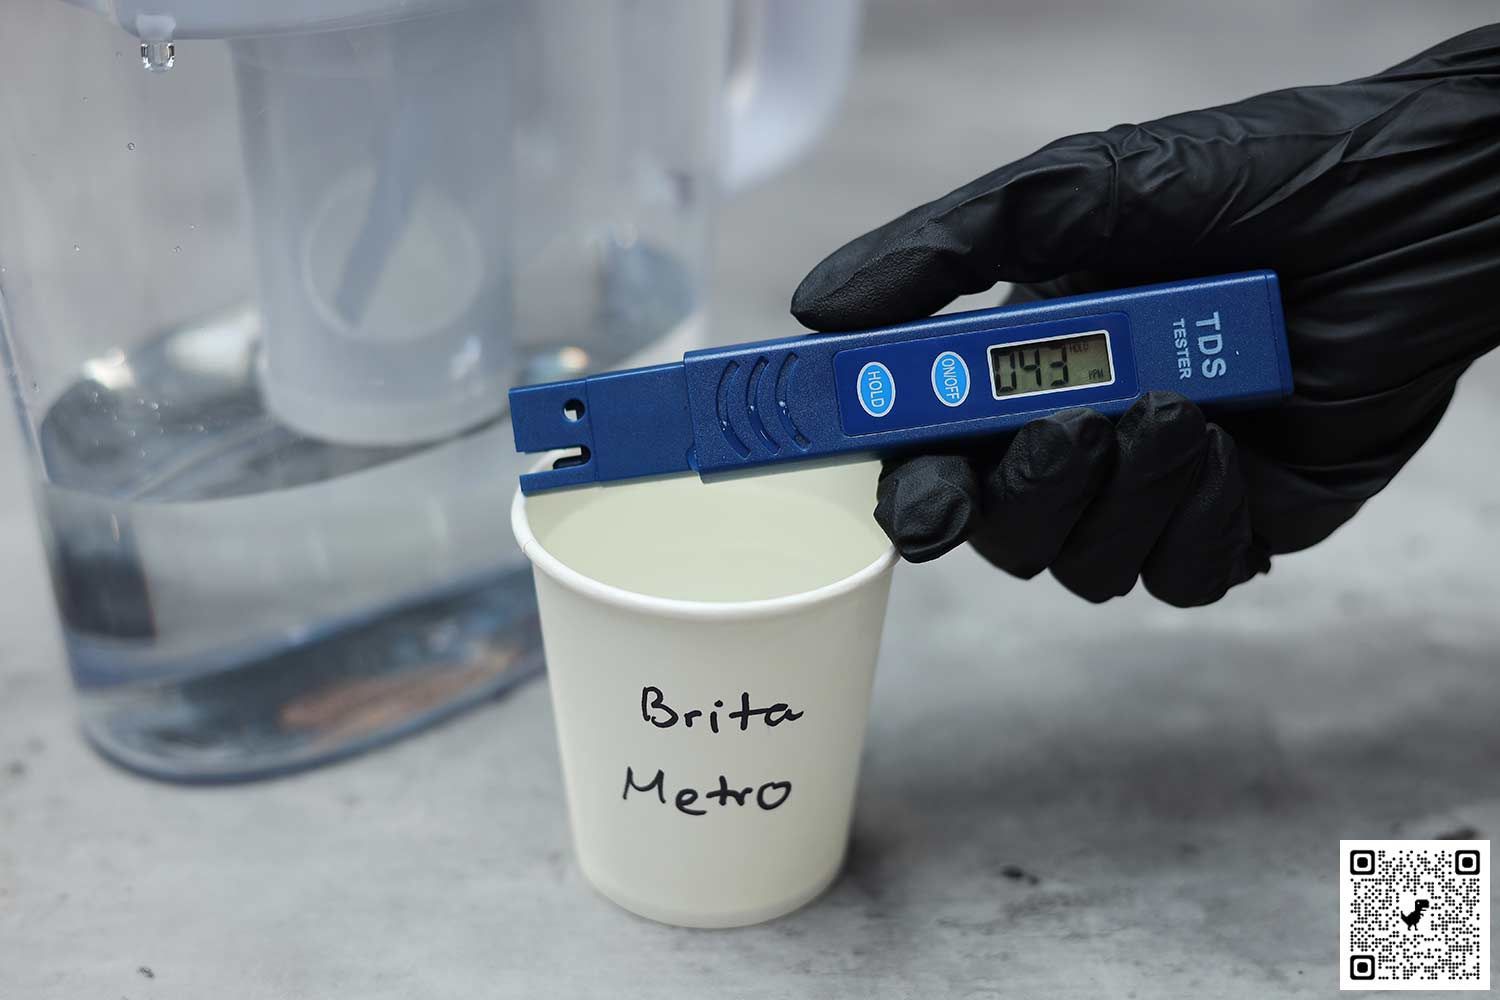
(1219, 341)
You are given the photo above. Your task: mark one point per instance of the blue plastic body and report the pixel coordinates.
(1219, 341)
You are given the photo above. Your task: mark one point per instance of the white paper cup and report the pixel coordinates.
(663, 599)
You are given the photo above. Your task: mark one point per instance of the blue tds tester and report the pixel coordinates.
(1219, 341)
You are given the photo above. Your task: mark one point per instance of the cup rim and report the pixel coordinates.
(673, 607)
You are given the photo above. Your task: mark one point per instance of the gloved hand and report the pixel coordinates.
(1377, 201)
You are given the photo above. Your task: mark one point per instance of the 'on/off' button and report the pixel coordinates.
(950, 378)
(876, 389)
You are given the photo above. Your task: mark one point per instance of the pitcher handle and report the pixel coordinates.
(789, 63)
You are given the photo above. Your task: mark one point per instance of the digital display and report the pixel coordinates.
(1050, 365)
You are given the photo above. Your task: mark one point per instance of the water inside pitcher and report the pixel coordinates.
(266, 272)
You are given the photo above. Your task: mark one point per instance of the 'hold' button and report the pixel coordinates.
(876, 389)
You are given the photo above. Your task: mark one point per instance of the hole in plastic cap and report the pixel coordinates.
(573, 410)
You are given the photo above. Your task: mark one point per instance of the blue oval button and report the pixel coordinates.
(950, 378)
(876, 389)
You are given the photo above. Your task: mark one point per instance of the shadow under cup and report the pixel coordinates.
(710, 650)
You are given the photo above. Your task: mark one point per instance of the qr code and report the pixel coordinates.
(1414, 915)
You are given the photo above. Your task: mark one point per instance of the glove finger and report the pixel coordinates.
(1077, 283)
(926, 504)
(1034, 495)
(1207, 546)
(1025, 221)
(1161, 441)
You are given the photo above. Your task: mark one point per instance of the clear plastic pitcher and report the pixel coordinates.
(267, 268)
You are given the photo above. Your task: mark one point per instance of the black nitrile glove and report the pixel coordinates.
(1378, 203)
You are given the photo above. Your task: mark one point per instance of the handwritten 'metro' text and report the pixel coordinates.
(655, 710)
(768, 796)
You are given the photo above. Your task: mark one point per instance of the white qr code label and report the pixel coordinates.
(1414, 914)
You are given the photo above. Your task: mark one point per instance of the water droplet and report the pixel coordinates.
(155, 406)
(158, 56)
(77, 248)
(191, 226)
(130, 145)
(132, 432)
(177, 249)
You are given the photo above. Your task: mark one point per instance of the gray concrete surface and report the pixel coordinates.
(1176, 782)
